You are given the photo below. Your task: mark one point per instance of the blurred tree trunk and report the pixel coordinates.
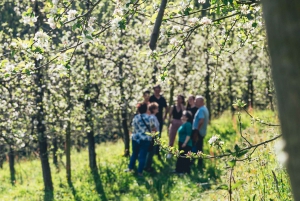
(283, 28)
(123, 104)
(89, 116)
(40, 113)
(54, 150)
(11, 157)
(250, 87)
(2, 155)
(172, 85)
(68, 130)
(155, 69)
(207, 83)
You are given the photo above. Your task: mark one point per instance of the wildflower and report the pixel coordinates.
(201, 1)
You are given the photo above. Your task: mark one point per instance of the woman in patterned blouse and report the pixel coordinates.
(142, 124)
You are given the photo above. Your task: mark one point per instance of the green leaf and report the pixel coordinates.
(13, 53)
(223, 187)
(37, 49)
(122, 24)
(228, 151)
(237, 148)
(237, 184)
(232, 163)
(187, 11)
(241, 153)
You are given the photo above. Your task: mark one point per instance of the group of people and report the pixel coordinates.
(188, 121)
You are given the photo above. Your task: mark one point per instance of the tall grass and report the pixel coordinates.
(262, 178)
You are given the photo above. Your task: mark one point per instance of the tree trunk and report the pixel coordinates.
(123, 105)
(207, 83)
(11, 156)
(250, 90)
(172, 86)
(186, 70)
(230, 94)
(78, 143)
(2, 155)
(89, 117)
(283, 28)
(68, 131)
(54, 151)
(40, 115)
(155, 69)
(43, 145)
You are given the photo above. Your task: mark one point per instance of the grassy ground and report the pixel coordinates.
(112, 183)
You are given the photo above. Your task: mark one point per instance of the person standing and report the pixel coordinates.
(153, 109)
(146, 96)
(200, 124)
(175, 119)
(141, 124)
(191, 107)
(184, 143)
(162, 104)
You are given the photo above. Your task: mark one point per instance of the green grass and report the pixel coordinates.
(112, 183)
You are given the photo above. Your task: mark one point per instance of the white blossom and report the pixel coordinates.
(174, 41)
(245, 10)
(118, 11)
(86, 38)
(71, 15)
(53, 10)
(176, 29)
(201, 1)
(9, 67)
(29, 19)
(41, 39)
(115, 23)
(91, 21)
(193, 20)
(55, 2)
(52, 23)
(205, 20)
(213, 139)
(38, 56)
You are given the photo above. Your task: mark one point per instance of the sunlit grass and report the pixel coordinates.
(112, 183)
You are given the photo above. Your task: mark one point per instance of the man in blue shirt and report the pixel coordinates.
(200, 124)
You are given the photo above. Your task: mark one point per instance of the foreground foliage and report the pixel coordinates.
(262, 178)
